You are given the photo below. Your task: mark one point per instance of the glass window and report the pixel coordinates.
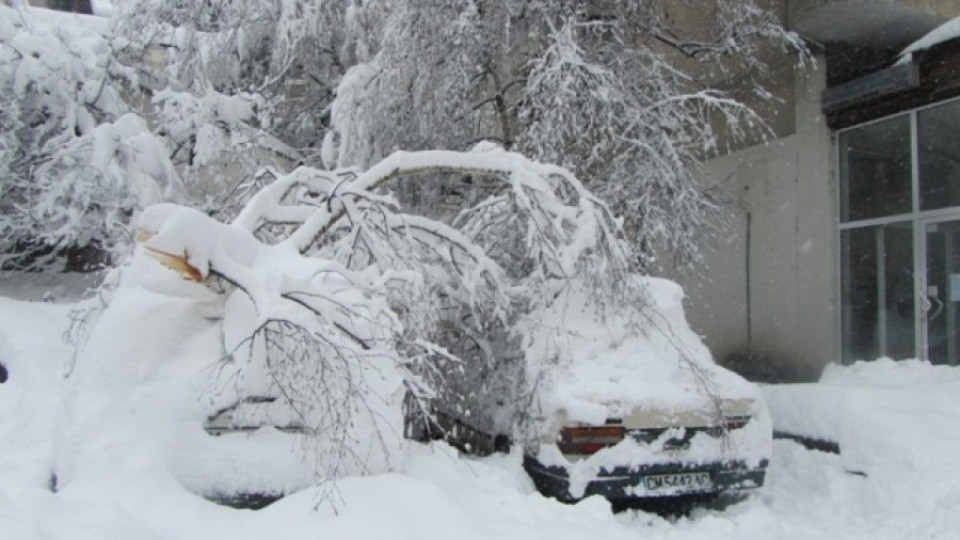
(877, 289)
(943, 292)
(875, 176)
(939, 156)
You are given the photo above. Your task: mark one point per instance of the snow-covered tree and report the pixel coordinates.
(181, 101)
(623, 93)
(342, 302)
(75, 164)
(237, 84)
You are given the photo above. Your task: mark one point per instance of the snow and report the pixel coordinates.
(143, 163)
(33, 354)
(103, 8)
(667, 366)
(62, 21)
(894, 421)
(436, 493)
(945, 32)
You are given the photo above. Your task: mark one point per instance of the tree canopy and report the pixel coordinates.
(625, 95)
(332, 291)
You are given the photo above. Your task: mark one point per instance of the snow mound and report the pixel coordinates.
(30, 396)
(888, 372)
(895, 423)
(849, 397)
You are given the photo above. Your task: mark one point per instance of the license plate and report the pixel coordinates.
(697, 481)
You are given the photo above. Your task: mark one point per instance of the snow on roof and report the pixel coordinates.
(945, 32)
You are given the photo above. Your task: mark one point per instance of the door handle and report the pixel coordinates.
(937, 310)
(925, 304)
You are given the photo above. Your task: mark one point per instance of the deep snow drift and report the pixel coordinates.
(896, 423)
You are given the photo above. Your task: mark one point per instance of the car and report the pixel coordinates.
(153, 396)
(649, 454)
(630, 407)
(247, 421)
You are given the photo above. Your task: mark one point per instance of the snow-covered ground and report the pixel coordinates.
(897, 424)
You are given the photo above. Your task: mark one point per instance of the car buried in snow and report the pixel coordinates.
(650, 454)
(278, 356)
(629, 416)
(625, 405)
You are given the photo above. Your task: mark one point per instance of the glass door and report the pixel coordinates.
(899, 182)
(878, 312)
(940, 306)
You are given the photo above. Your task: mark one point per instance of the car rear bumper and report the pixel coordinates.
(623, 483)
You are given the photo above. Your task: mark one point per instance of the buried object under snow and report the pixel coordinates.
(273, 352)
(622, 413)
(264, 355)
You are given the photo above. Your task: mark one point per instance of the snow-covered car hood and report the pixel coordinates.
(595, 367)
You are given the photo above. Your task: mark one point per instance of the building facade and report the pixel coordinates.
(845, 244)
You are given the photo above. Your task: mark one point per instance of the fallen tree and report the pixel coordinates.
(340, 305)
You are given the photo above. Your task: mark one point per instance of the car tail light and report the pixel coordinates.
(735, 422)
(589, 440)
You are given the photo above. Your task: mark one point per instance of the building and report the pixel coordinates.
(846, 240)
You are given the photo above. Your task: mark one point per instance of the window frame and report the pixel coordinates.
(919, 219)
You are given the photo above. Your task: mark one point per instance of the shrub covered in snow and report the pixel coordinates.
(75, 163)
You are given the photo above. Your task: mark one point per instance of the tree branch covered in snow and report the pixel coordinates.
(334, 292)
(627, 96)
(234, 77)
(623, 94)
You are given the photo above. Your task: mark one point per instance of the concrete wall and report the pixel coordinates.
(788, 328)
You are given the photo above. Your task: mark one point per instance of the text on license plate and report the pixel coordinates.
(678, 482)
